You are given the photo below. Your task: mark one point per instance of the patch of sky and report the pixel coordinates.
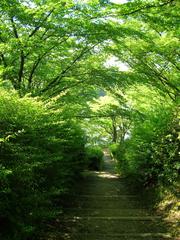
(115, 62)
(29, 4)
(119, 1)
(116, 20)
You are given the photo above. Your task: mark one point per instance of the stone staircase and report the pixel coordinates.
(106, 207)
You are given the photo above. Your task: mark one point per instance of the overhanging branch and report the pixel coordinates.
(63, 72)
(149, 6)
(41, 23)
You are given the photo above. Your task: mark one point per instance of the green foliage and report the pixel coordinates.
(117, 151)
(113, 149)
(94, 157)
(43, 44)
(107, 120)
(152, 150)
(40, 156)
(59, 51)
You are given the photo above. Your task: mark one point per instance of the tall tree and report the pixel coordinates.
(152, 51)
(44, 45)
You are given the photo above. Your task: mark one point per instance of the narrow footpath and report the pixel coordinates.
(106, 207)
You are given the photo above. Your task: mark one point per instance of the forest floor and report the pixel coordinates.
(108, 207)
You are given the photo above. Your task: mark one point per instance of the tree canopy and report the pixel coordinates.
(75, 74)
(51, 47)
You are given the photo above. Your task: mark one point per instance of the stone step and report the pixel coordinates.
(107, 189)
(92, 181)
(102, 196)
(114, 225)
(136, 236)
(99, 203)
(131, 218)
(108, 212)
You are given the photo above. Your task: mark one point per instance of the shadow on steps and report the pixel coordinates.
(108, 207)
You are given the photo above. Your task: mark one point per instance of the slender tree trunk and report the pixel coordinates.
(114, 131)
(21, 69)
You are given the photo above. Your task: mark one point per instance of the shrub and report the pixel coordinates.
(114, 149)
(40, 156)
(94, 157)
(151, 153)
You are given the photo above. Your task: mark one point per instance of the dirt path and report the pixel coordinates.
(106, 207)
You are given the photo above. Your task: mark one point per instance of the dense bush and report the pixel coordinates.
(40, 156)
(117, 152)
(114, 147)
(152, 151)
(94, 157)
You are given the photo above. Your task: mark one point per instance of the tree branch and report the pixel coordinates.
(14, 28)
(97, 116)
(41, 23)
(35, 65)
(21, 69)
(63, 72)
(22, 56)
(58, 91)
(164, 81)
(3, 60)
(148, 6)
